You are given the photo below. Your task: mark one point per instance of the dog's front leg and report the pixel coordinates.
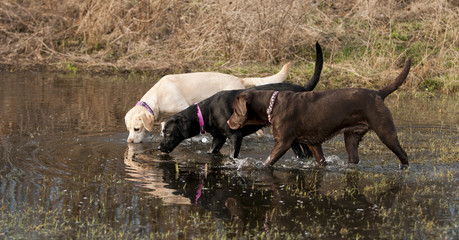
(217, 144)
(235, 146)
(279, 149)
(318, 154)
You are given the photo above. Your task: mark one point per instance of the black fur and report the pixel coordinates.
(217, 109)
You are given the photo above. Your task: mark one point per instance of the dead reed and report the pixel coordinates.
(364, 40)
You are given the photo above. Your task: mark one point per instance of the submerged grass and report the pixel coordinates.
(365, 41)
(348, 203)
(407, 219)
(370, 201)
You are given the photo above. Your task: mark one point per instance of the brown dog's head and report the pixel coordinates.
(239, 117)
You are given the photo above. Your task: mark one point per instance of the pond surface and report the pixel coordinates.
(66, 171)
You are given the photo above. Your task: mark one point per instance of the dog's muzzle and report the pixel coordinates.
(162, 149)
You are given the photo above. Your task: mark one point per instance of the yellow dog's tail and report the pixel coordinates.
(276, 78)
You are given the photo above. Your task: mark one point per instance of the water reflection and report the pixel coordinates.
(268, 197)
(56, 131)
(140, 171)
(63, 149)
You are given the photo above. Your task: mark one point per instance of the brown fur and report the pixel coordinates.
(314, 117)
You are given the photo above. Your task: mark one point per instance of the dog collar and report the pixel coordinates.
(145, 105)
(201, 119)
(271, 105)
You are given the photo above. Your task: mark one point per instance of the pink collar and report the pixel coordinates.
(201, 119)
(145, 105)
(271, 105)
(199, 191)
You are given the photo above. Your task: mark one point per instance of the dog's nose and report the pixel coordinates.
(231, 126)
(130, 140)
(163, 150)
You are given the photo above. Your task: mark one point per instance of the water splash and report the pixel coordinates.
(239, 162)
(335, 161)
(247, 163)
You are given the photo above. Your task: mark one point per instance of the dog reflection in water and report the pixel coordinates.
(140, 170)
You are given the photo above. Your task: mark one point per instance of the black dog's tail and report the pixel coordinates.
(309, 86)
(384, 92)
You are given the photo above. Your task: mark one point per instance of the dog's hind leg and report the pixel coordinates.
(391, 141)
(351, 140)
(385, 130)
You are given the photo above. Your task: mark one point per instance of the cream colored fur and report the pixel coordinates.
(174, 93)
(139, 169)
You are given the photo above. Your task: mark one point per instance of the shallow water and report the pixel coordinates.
(63, 150)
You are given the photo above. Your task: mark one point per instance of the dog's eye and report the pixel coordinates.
(136, 129)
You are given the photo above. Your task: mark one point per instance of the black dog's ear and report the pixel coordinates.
(183, 126)
(240, 105)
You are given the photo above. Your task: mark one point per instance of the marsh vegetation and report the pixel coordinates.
(365, 41)
(66, 171)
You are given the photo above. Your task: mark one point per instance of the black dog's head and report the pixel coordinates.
(176, 129)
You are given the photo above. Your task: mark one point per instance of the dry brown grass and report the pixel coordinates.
(364, 40)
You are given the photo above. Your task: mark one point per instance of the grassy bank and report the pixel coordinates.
(365, 41)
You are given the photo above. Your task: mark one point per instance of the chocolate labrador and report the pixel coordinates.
(314, 117)
(212, 113)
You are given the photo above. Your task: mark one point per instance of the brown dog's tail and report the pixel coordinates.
(317, 70)
(384, 92)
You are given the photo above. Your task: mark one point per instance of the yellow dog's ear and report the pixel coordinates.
(147, 119)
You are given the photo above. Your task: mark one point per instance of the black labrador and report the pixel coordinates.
(217, 109)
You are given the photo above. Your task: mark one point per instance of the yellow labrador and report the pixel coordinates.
(174, 93)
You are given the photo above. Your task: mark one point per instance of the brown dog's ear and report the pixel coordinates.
(240, 105)
(147, 119)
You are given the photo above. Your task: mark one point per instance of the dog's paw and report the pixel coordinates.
(404, 166)
(322, 162)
